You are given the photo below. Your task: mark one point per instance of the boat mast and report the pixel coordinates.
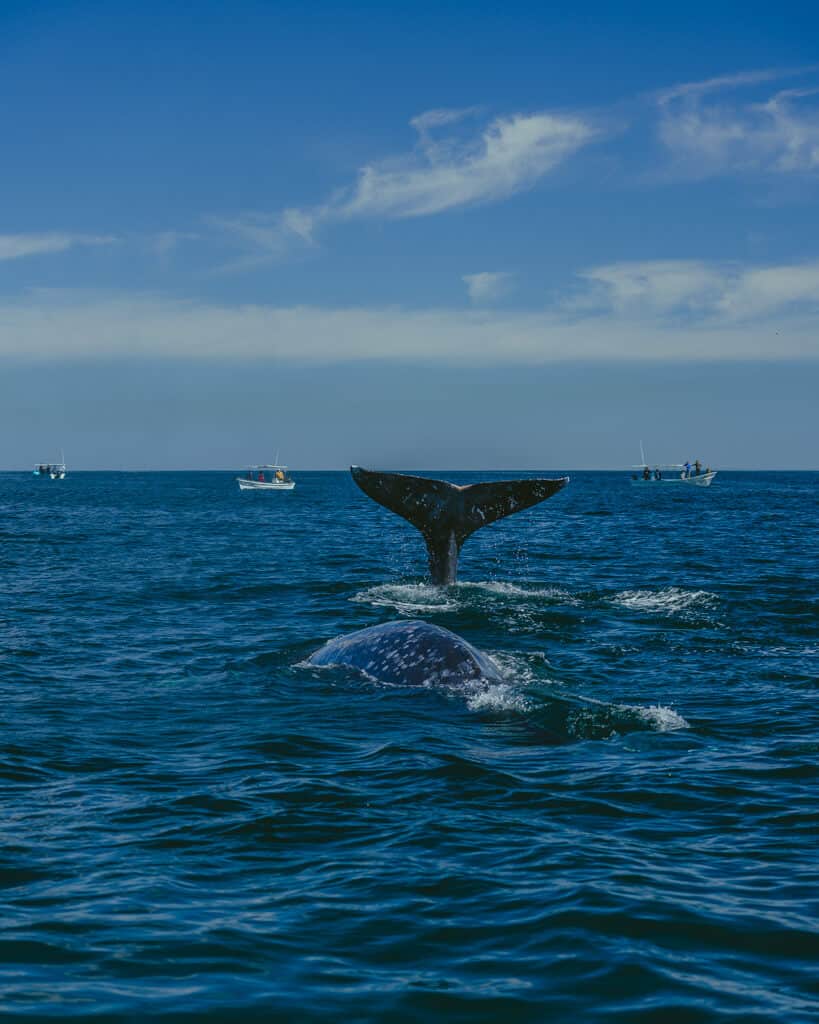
(642, 455)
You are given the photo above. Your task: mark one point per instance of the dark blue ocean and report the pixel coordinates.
(195, 826)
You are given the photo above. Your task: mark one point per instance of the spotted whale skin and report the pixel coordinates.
(408, 653)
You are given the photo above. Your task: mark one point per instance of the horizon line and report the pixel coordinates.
(419, 469)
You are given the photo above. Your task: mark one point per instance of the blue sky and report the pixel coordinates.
(429, 235)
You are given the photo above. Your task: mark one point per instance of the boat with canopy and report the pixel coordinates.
(683, 473)
(53, 470)
(267, 477)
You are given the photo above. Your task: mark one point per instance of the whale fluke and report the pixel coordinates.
(447, 514)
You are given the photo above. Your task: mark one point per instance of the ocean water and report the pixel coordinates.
(196, 826)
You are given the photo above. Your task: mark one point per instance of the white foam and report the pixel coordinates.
(408, 598)
(501, 589)
(412, 598)
(659, 717)
(484, 696)
(668, 600)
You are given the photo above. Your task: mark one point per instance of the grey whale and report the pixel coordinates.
(408, 653)
(413, 652)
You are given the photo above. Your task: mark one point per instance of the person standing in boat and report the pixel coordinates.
(697, 467)
(687, 469)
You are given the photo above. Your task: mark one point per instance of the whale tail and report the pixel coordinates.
(447, 514)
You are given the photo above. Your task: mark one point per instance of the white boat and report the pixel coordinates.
(671, 473)
(54, 470)
(273, 477)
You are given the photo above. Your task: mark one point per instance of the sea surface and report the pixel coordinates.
(198, 827)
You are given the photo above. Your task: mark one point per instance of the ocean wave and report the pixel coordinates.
(658, 716)
(588, 718)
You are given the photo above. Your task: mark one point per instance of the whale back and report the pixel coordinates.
(410, 653)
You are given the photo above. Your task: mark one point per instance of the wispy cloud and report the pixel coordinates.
(710, 127)
(722, 82)
(15, 247)
(451, 166)
(264, 237)
(486, 286)
(167, 241)
(509, 155)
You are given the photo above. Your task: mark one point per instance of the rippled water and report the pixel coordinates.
(195, 826)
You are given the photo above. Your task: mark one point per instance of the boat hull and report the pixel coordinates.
(265, 485)
(701, 480)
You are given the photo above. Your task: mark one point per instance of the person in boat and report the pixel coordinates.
(657, 474)
(279, 475)
(697, 467)
(646, 473)
(261, 477)
(687, 469)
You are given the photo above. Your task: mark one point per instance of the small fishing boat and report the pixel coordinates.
(53, 470)
(272, 477)
(671, 473)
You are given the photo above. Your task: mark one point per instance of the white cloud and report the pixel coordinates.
(55, 325)
(15, 247)
(651, 287)
(486, 286)
(509, 155)
(699, 291)
(711, 130)
(766, 291)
